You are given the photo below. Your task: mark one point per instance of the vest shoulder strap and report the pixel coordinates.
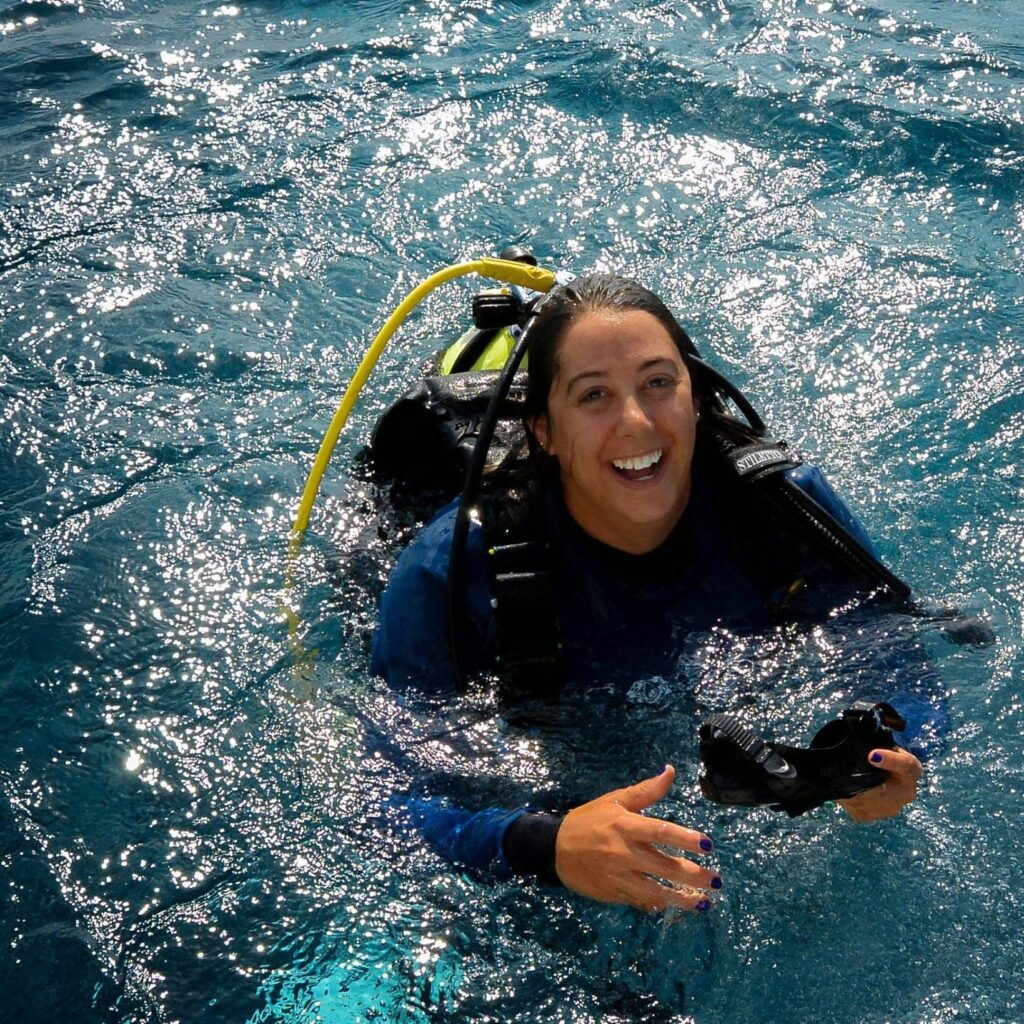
(761, 464)
(523, 594)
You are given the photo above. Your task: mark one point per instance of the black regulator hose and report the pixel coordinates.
(833, 538)
(470, 495)
(806, 514)
(724, 386)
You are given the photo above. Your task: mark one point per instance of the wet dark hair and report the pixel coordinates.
(566, 304)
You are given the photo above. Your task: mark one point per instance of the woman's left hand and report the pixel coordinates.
(891, 796)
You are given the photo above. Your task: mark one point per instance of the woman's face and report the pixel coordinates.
(621, 421)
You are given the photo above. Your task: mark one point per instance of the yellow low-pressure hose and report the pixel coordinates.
(508, 271)
(537, 278)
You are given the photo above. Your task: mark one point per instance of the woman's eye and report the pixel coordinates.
(592, 395)
(661, 382)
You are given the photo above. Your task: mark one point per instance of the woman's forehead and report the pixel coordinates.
(616, 339)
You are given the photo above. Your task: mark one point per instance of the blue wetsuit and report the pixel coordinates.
(622, 617)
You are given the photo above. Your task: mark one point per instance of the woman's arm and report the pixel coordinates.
(411, 653)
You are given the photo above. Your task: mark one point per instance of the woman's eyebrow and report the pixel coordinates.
(573, 381)
(647, 364)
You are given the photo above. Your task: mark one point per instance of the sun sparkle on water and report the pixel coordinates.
(205, 215)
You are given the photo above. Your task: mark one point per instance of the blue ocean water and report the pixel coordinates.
(206, 212)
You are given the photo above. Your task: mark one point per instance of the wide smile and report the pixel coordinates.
(640, 468)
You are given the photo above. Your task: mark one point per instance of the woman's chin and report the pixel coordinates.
(632, 515)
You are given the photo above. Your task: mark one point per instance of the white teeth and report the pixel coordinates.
(639, 461)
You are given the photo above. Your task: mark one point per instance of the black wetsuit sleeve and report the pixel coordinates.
(529, 845)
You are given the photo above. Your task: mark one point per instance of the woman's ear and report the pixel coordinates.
(539, 428)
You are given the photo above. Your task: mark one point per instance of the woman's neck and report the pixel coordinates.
(630, 537)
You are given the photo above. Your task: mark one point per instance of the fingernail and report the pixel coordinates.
(704, 905)
(706, 845)
(877, 758)
(716, 882)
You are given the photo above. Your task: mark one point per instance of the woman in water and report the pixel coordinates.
(647, 541)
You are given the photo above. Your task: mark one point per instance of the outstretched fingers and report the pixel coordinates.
(676, 870)
(666, 833)
(607, 850)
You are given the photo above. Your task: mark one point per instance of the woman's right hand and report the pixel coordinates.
(606, 850)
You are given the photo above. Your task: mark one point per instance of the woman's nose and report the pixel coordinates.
(633, 415)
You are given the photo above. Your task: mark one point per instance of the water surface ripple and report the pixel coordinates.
(206, 210)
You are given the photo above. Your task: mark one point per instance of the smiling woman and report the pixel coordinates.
(647, 530)
(622, 422)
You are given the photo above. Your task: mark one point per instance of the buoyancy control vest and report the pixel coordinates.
(440, 435)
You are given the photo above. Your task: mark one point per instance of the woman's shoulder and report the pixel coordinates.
(410, 647)
(430, 550)
(413, 610)
(422, 568)
(812, 481)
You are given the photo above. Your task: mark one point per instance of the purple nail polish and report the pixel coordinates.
(716, 882)
(706, 845)
(703, 905)
(877, 758)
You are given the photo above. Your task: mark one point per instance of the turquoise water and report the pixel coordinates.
(205, 213)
